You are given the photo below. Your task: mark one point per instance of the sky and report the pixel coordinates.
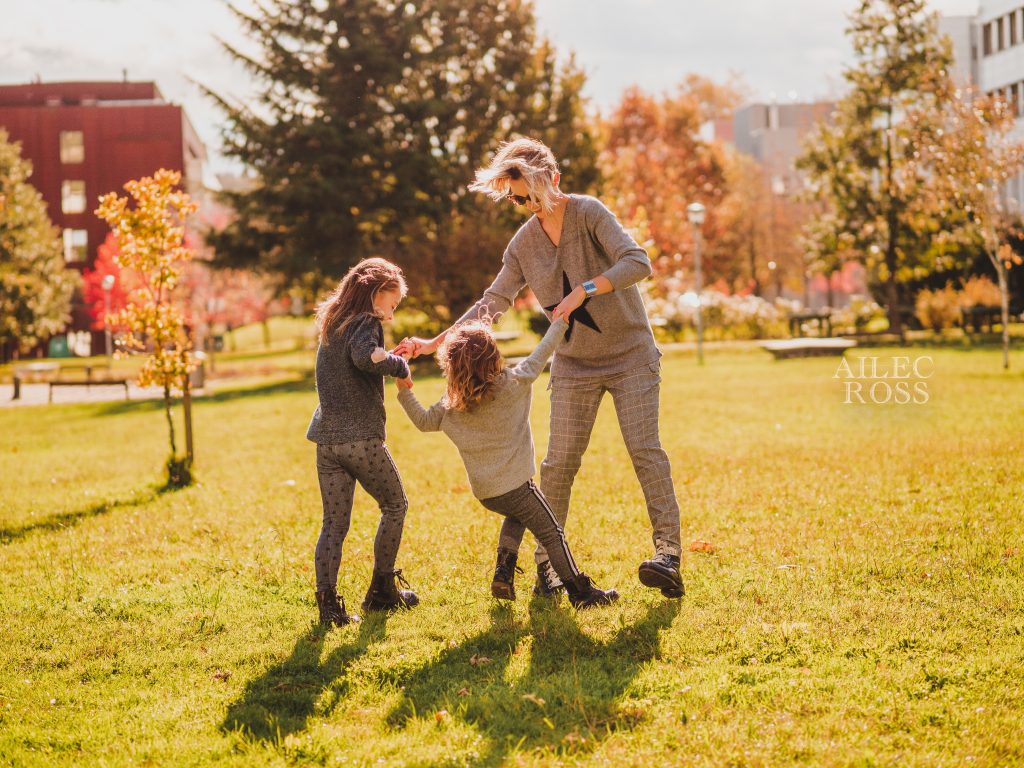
(783, 49)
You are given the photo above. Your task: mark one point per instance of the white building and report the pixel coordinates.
(988, 52)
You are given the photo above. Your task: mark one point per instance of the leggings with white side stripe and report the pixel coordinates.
(526, 507)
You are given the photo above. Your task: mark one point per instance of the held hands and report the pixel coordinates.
(405, 354)
(569, 304)
(415, 347)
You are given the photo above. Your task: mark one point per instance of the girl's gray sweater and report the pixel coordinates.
(351, 385)
(494, 439)
(608, 334)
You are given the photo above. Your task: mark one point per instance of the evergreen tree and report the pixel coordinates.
(865, 165)
(35, 285)
(370, 119)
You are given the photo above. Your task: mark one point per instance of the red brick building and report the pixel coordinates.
(85, 139)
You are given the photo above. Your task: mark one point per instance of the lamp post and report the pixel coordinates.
(695, 213)
(108, 284)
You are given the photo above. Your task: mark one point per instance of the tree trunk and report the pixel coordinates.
(266, 333)
(1004, 290)
(170, 421)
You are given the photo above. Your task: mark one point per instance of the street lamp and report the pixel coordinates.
(695, 213)
(108, 284)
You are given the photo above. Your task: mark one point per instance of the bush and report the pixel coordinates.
(725, 316)
(414, 322)
(938, 309)
(979, 291)
(859, 314)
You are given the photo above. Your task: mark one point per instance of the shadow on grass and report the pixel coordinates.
(305, 383)
(568, 699)
(281, 701)
(69, 519)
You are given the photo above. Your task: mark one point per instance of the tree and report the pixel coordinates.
(150, 238)
(125, 281)
(879, 198)
(655, 162)
(368, 124)
(972, 158)
(35, 286)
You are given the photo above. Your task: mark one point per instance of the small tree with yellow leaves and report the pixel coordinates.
(150, 232)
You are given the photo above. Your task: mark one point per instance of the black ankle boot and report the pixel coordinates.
(583, 594)
(503, 584)
(384, 594)
(331, 610)
(662, 572)
(548, 584)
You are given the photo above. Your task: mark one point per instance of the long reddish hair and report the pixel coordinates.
(354, 296)
(470, 359)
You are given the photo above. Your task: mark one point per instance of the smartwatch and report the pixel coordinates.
(590, 287)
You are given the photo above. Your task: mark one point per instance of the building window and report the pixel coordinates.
(72, 196)
(1000, 36)
(986, 39)
(72, 147)
(1011, 22)
(76, 244)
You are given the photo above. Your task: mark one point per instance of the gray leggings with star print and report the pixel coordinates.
(338, 467)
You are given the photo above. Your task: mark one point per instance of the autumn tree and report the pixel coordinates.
(367, 125)
(879, 200)
(124, 281)
(35, 285)
(655, 161)
(973, 157)
(149, 226)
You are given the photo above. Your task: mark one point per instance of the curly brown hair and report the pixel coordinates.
(470, 359)
(354, 295)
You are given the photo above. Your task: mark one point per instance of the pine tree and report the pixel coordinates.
(35, 285)
(864, 165)
(370, 119)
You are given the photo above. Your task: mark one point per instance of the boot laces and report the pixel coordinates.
(401, 579)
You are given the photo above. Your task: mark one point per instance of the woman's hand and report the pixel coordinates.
(416, 346)
(569, 304)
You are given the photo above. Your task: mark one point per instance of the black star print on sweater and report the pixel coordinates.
(580, 313)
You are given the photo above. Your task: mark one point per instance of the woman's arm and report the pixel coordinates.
(425, 420)
(529, 369)
(496, 300)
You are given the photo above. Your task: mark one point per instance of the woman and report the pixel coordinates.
(583, 266)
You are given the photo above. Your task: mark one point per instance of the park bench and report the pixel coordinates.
(788, 348)
(33, 372)
(90, 380)
(821, 318)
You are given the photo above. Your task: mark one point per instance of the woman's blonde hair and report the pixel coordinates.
(354, 296)
(470, 359)
(526, 159)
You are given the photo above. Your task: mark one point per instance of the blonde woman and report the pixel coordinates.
(583, 266)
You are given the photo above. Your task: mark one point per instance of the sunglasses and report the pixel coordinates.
(519, 199)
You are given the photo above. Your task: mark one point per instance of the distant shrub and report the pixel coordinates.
(939, 309)
(979, 291)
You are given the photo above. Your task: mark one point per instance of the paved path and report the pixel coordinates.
(39, 394)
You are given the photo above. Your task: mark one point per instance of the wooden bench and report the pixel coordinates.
(823, 319)
(23, 373)
(89, 381)
(789, 348)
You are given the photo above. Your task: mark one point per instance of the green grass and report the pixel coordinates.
(863, 605)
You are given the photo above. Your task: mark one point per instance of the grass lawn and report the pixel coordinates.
(863, 605)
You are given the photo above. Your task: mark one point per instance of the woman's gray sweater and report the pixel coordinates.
(351, 385)
(607, 334)
(494, 439)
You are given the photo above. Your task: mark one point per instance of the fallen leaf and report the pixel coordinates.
(535, 699)
(1011, 552)
(222, 674)
(573, 739)
(441, 715)
(475, 660)
(463, 691)
(699, 545)
(458, 489)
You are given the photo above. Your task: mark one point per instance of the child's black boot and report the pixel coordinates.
(548, 584)
(332, 611)
(583, 594)
(384, 593)
(503, 584)
(662, 572)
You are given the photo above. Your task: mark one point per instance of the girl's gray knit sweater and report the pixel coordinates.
(494, 439)
(351, 385)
